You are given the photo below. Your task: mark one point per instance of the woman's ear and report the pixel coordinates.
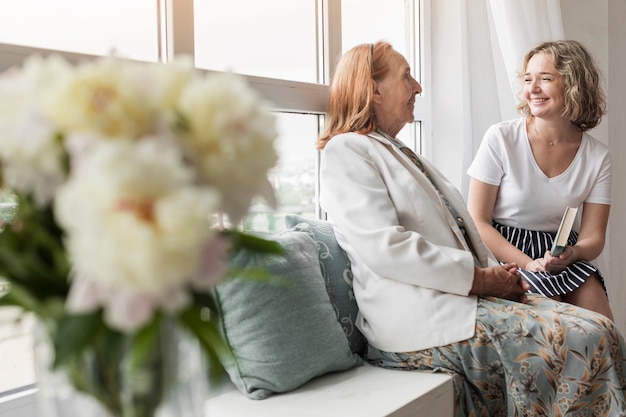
(377, 97)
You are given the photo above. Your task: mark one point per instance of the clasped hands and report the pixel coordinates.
(502, 281)
(552, 264)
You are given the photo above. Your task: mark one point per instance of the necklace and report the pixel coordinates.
(551, 142)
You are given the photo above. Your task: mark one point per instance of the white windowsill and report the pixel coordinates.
(19, 404)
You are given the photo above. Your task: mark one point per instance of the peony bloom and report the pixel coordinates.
(165, 82)
(135, 160)
(31, 152)
(136, 225)
(104, 97)
(229, 137)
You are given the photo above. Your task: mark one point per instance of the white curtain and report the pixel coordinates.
(499, 33)
(521, 24)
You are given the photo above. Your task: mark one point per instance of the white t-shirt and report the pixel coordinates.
(527, 198)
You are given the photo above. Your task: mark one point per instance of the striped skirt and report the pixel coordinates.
(535, 244)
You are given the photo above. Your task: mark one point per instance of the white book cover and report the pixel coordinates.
(560, 241)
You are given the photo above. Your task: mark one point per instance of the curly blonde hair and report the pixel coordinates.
(585, 101)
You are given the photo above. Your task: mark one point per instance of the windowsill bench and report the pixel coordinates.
(303, 327)
(365, 391)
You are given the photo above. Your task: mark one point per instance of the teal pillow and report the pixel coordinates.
(337, 275)
(282, 333)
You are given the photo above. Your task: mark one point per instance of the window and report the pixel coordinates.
(357, 27)
(295, 176)
(284, 44)
(298, 57)
(94, 27)
(286, 48)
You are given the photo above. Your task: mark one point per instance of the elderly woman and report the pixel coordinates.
(431, 295)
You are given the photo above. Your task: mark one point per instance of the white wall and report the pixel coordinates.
(587, 22)
(446, 89)
(598, 24)
(617, 141)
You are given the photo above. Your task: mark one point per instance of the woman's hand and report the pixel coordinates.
(556, 264)
(502, 281)
(535, 265)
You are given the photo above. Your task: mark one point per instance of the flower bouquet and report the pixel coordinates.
(117, 180)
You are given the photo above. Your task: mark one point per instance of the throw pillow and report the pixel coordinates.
(282, 333)
(337, 275)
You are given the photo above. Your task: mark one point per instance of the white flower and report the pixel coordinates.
(165, 82)
(105, 97)
(31, 154)
(230, 137)
(135, 159)
(136, 223)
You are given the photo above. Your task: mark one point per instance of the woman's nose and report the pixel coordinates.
(534, 86)
(417, 88)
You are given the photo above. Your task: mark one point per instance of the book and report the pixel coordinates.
(560, 240)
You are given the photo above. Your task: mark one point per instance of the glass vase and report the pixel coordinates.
(172, 382)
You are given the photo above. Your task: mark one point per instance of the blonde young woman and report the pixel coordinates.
(528, 170)
(431, 295)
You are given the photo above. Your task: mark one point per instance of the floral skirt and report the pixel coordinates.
(544, 358)
(534, 244)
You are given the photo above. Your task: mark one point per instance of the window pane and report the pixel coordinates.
(294, 177)
(398, 18)
(411, 135)
(270, 38)
(392, 24)
(95, 27)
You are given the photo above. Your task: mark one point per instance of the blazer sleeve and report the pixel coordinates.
(358, 194)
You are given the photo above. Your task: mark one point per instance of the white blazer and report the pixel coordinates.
(412, 267)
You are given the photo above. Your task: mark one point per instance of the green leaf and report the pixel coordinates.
(20, 297)
(250, 273)
(144, 343)
(66, 162)
(180, 123)
(74, 333)
(253, 243)
(214, 346)
(32, 252)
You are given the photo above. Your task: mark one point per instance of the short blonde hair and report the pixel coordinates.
(585, 101)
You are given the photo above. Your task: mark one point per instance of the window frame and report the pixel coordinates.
(176, 36)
